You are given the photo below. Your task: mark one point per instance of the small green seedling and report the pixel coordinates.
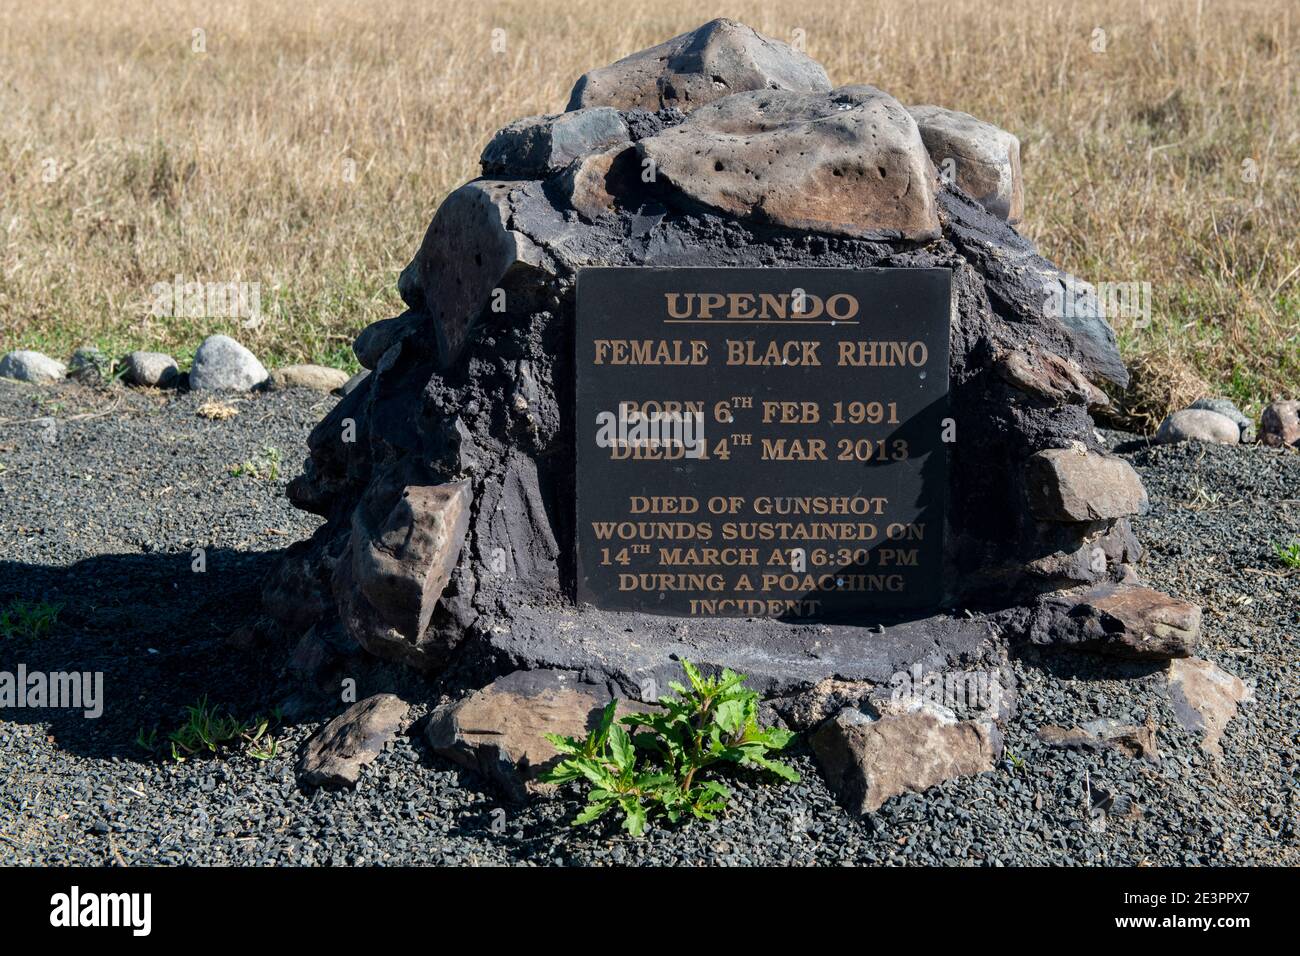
(28, 619)
(664, 761)
(207, 730)
(1288, 554)
(265, 468)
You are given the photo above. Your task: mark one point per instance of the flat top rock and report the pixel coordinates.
(628, 649)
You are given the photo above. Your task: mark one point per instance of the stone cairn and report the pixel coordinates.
(446, 476)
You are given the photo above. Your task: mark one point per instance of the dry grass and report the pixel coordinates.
(229, 165)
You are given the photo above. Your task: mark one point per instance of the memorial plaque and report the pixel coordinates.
(762, 442)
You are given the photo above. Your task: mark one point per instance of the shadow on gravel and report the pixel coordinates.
(1065, 665)
(155, 628)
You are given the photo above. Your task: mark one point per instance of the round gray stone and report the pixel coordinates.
(28, 366)
(151, 369)
(1198, 424)
(221, 363)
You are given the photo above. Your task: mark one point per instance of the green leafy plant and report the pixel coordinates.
(28, 619)
(664, 761)
(265, 468)
(1288, 554)
(207, 730)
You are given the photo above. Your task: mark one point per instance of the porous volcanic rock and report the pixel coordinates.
(473, 386)
(540, 145)
(849, 162)
(719, 59)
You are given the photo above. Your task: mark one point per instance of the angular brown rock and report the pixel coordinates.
(402, 565)
(1049, 377)
(848, 162)
(1205, 698)
(1077, 485)
(1121, 620)
(715, 60)
(339, 751)
(593, 184)
(499, 729)
(867, 761)
(984, 158)
(1105, 734)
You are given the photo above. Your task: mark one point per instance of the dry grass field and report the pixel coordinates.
(304, 145)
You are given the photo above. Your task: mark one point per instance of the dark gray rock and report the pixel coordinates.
(537, 146)
(348, 387)
(1026, 287)
(716, 60)
(633, 651)
(469, 252)
(89, 366)
(337, 754)
(221, 363)
(378, 337)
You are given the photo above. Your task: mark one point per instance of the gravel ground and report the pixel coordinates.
(102, 510)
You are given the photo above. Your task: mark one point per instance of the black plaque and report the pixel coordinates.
(762, 442)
